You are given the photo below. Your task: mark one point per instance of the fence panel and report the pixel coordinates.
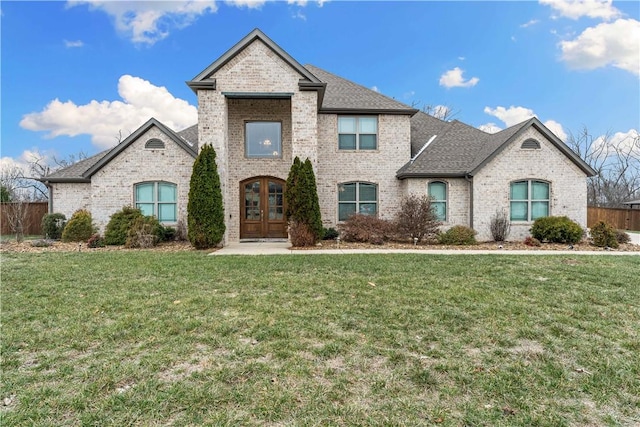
(34, 211)
(623, 219)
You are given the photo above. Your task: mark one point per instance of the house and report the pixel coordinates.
(259, 108)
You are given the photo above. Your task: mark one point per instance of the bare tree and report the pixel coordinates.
(442, 112)
(617, 165)
(16, 215)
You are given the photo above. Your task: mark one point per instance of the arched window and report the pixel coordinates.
(529, 200)
(357, 197)
(438, 193)
(159, 199)
(154, 144)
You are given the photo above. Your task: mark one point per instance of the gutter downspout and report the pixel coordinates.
(50, 188)
(469, 179)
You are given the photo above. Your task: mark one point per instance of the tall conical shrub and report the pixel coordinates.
(312, 211)
(303, 207)
(205, 212)
(291, 192)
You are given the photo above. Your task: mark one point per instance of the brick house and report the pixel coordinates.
(260, 108)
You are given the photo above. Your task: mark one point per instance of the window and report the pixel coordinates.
(360, 197)
(263, 140)
(158, 199)
(438, 192)
(357, 133)
(154, 144)
(529, 200)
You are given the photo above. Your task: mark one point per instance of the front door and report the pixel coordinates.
(262, 208)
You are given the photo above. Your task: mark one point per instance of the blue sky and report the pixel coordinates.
(76, 75)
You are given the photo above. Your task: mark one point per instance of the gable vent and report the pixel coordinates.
(154, 144)
(530, 144)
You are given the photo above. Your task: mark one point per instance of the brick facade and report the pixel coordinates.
(66, 198)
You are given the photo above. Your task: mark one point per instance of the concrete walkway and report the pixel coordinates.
(283, 248)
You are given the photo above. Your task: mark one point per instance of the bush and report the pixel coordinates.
(53, 225)
(458, 235)
(604, 235)
(416, 219)
(500, 226)
(95, 241)
(144, 233)
(168, 234)
(556, 229)
(532, 241)
(329, 233)
(622, 237)
(301, 196)
(79, 228)
(301, 235)
(366, 229)
(119, 225)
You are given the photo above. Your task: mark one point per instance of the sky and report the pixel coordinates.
(78, 76)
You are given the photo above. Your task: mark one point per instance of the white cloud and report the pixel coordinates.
(575, 9)
(514, 115)
(453, 78)
(75, 43)
(103, 120)
(375, 89)
(616, 43)
(147, 22)
(490, 128)
(529, 24)
(250, 4)
(623, 142)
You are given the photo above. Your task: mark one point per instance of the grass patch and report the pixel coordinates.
(144, 338)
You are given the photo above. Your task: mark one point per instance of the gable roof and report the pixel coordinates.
(459, 150)
(82, 171)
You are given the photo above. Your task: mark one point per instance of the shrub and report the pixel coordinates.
(416, 218)
(500, 226)
(604, 235)
(205, 213)
(556, 229)
(119, 225)
(144, 233)
(168, 233)
(458, 235)
(301, 197)
(622, 237)
(95, 241)
(532, 241)
(79, 228)
(301, 235)
(53, 225)
(366, 229)
(329, 233)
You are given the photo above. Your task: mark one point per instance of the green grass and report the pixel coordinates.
(145, 338)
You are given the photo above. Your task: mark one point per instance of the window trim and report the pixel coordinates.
(156, 202)
(446, 198)
(357, 134)
(246, 141)
(357, 200)
(529, 200)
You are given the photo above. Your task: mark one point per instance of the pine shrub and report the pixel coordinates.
(604, 235)
(416, 219)
(53, 225)
(119, 225)
(301, 196)
(144, 233)
(79, 228)
(458, 235)
(556, 229)
(205, 213)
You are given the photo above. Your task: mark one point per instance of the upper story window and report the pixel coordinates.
(158, 199)
(438, 192)
(154, 144)
(529, 200)
(263, 140)
(357, 197)
(357, 133)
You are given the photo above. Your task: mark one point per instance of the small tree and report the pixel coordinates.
(416, 218)
(303, 207)
(205, 213)
(17, 217)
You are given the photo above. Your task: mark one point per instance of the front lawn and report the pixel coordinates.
(147, 338)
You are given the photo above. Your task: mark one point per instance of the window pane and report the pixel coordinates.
(346, 125)
(144, 193)
(166, 192)
(368, 125)
(368, 208)
(440, 210)
(519, 211)
(438, 190)
(368, 142)
(368, 192)
(539, 210)
(539, 190)
(263, 140)
(167, 212)
(519, 190)
(345, 210)
(347, 193)
(347, 142)
(146, 208)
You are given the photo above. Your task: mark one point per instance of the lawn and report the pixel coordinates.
(144, 338)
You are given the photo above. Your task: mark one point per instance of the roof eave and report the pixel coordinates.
(209, 84)
(406, 175)
(390, 111)
(53, 180)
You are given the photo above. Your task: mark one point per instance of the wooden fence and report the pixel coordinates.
(34, 211)
(623, 219)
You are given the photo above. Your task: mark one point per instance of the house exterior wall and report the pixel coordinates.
(66, 198)
(458, 198)
(375, 166)
(112, 186)
(491, 185)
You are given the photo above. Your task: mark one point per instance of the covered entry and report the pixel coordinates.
(262, 208)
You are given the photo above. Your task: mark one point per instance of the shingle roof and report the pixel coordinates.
(74, 172)
(342, 95)
(190, 134)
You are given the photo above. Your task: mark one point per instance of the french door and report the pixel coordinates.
(262, 208)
